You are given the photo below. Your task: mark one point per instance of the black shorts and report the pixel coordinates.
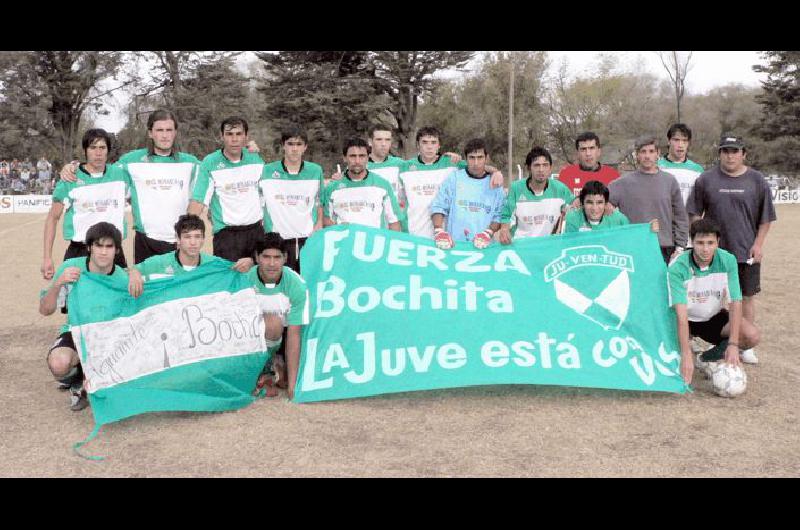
(711, 330)
(750, 278)
(79, 250)
(145, 247)
(666, 253)
(235, 242)
(293, 247)
(63, 341)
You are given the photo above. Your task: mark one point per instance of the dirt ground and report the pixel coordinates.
(525, 431)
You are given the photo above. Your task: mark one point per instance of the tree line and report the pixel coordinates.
(48, 98)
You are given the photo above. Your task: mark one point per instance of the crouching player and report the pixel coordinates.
(190, 234)
(283, 298)
(104, 243)
(700, 280)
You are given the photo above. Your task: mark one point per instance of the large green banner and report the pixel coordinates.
(191, 342)
(393, 313)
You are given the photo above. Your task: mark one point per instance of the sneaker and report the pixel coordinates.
(748, 356)
(78, 398)
(63, 386)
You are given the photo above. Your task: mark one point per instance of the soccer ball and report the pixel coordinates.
(728, 380)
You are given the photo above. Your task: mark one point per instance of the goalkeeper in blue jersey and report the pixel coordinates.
(466, 207)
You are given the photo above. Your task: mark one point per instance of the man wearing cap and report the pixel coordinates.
(738, 198)
(649, 194)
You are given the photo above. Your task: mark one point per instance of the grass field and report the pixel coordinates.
(479, 431)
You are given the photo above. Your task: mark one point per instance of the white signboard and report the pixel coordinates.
(25, 203)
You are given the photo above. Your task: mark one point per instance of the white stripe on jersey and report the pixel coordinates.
(238, 193)
(96, 203)
(420, 189)
(290, 204)
(163, 192)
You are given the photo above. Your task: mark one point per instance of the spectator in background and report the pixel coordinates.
(44, 169)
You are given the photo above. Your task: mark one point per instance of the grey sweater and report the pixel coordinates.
(643, 197)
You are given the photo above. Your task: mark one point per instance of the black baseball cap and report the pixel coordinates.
(731, 140)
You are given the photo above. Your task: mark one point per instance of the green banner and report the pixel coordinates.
(393, 313)
(193, 342)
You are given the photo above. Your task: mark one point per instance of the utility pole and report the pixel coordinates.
(510, 121)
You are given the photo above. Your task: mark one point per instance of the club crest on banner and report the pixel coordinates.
(594, 282)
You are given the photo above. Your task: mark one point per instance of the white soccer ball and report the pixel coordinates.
(728, 380)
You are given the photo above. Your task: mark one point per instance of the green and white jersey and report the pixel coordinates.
(83, 264)
(92, 199)
(420, 184)
(169, 265)
(288, 298)
(291, 201)
(684, 172)
(704, 291)
(576, 221)
(160, 190)
(230, 189)
(369, 202)
(535, 215)
(389, 169)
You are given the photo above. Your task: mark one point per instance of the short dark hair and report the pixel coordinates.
(585, 137)
(704, 226)
(645, 140)
(233, 121)
(270, 240)
(680, 128)
(380, 127)
(593, 187)
(429, 131)
(475, 144)
(160, 115)
(92, 135)
(103, 230)
(293, 132)
(535, 153)
(188, 222)
(354, 142)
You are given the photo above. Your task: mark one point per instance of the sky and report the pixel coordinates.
(708, 69)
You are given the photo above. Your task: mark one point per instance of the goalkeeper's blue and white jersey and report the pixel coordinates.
(470, 204)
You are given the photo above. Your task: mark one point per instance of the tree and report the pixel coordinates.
(46, 93)
(202, 88)
(406, 76)
(677, 68)
(780, 103)
(478, 105)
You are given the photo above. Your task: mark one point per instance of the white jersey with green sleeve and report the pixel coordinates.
(534, 215)
(169, 265)
(576, 221)
(160, 190)
(92, 199)
(420, 184)
(369, 202)
(704, 291)
(389, 170)
(685, 173)
(288, 299)
(230, 189)
(82, 263)
(291, 200)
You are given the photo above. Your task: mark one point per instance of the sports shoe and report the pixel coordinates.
(748, 356)
(78, 398)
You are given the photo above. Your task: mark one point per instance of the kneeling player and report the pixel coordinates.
(283, 298)
(190, 234)
(104, 242)
(592, 213)
(700, 280)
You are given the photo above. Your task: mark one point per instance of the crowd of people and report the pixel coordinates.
(22, 177)
(711, 224)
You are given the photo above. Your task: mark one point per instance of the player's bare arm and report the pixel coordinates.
(50, 224)
(48, 303)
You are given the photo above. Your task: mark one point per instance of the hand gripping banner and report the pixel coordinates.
(393, 313)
